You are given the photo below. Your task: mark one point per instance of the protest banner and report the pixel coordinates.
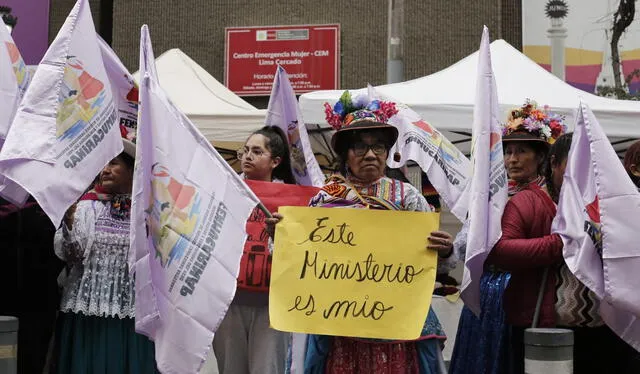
(14, 80)
(488, 189)
(596, 201)
(340, 272)
(256, 260)
(188, 216)
(124, 89)
(448, 169)
(283, 111)
(65, 129)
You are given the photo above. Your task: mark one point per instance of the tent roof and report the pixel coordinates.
(446, 98)
(214, 109)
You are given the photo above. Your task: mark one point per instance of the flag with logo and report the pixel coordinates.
(189, 213)
(595, 209)
(125, 91)
(14, 80)
(447, 168)
(65, 129)
(283, 111)
(488, 189)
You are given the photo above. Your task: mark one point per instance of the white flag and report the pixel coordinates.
(14, 80)
(65, 129)
(488, 190)
(283, 111)
(125, 91)
(597, 207)
(447, 168)
(189, 214)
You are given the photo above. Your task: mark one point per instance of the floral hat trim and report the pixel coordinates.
(541, 123)
(348, 111)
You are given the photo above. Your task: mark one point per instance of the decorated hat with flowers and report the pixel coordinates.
(531, 123)
(359, 113)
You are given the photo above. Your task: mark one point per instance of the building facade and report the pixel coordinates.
(437, 32)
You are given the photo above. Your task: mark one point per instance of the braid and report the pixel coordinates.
(558, 152)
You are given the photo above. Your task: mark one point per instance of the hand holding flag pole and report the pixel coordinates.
(211, 204)
(267, 212)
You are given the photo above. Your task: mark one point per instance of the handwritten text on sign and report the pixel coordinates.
(352, 272)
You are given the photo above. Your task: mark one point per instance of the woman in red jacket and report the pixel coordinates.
(526, 247)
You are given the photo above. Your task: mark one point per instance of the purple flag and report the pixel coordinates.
(124, 88)
(14, 80)
(448, 169)
(188, 220)
(488, 191)
(283, 111)
(595, 220)
(65, 129)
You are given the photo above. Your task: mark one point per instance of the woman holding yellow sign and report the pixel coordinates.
(363, 139)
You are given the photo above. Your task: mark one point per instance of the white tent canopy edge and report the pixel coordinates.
(218, 113)
(446, 98)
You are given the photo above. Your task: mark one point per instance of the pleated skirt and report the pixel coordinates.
(101, 345)
(482, 344)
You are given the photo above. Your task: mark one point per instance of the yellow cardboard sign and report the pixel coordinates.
(352, 272)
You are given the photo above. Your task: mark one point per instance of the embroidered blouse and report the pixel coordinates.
(96, 249)
(385, 193)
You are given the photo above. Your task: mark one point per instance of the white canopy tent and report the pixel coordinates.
(446, 98)
(219, 114)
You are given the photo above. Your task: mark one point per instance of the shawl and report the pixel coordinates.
(385, 194)
(120, 203)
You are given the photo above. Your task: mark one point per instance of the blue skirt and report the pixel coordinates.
(482, 343)
(101, 345)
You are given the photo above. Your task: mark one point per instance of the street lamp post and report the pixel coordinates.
(395, 65)
(556, 10)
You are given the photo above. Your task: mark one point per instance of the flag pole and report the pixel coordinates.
(264, 210)
(536, 313)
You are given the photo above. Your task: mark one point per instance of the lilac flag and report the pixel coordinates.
(488, 190)
(14, 80)
(448, 169)
(124, 88)
(188, 228)
(65, 129)
(283, 111)
(596, 203)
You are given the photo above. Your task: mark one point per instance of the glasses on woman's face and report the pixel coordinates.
(256, 152)
(360, 149)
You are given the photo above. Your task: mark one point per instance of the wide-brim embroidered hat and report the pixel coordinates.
(529, 123)
(348, 116)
